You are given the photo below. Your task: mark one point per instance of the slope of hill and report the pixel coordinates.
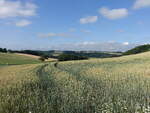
(112, 85)
(15, 59)
(138, 49)
(28, 55)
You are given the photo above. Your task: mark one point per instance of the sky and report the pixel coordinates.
(74, 24)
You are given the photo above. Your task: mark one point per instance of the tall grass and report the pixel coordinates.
(114, 85)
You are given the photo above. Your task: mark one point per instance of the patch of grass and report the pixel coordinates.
(14, 59)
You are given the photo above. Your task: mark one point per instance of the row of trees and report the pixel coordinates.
(67, 57)
(138, 49)
(3, 50)
(46, 54)
(63, 55)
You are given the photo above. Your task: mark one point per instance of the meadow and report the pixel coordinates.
(110, 85)
(16, 59)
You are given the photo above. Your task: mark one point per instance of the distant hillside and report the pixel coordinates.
(138, 49)
(55, 54)
(15, 59)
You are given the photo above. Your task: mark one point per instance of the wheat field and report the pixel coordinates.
(16, 59)
(112, 85)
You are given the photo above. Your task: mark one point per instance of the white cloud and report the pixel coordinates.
(23, 23)
(141, 4)
(16, 9)
(88, 43)
(113, 13)
(95, 46)
(89, 19)
(126, 43)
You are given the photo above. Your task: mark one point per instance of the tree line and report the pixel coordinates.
(64, 55)
(138, 49)
(3, 50)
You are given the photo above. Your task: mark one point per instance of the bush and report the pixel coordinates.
(67, 57)
(42, 59)
(45, 56)
(3, 50)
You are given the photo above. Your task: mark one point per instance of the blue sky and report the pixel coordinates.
(51, 24)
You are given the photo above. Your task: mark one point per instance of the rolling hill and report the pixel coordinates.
(15, 59)
(138, 49)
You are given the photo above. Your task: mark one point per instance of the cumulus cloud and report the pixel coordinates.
(16, 9)
(141, 4)
(113, 13)
(87, 43)
(126, 43)
(22, 23)
(89, 19)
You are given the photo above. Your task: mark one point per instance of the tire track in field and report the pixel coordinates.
(87, 87)
(49, 98)
(56, 65)
(76, 74)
